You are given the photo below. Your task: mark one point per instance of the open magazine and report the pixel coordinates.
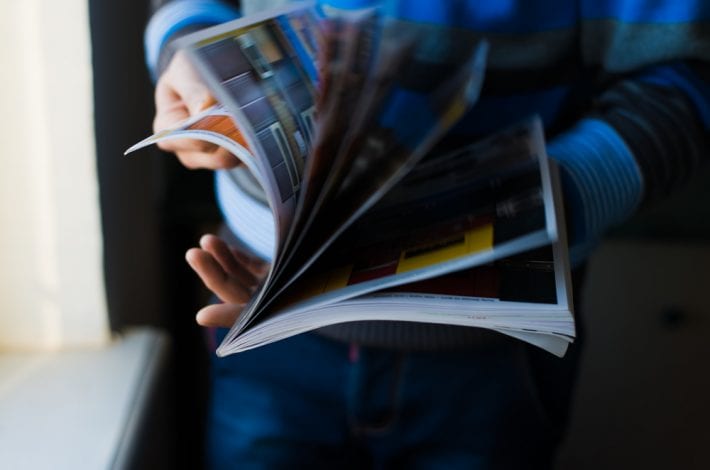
(336, 114)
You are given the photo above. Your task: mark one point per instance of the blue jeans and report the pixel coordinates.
(310, 402)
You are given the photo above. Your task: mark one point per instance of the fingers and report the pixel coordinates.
(257, 266)
(169, 110)
(199, 154)
(230, 274)
(226, 259)
(219, 315)
(219, 158)
(187, 145)
(181, 82)
(216, 279)
(179, 94)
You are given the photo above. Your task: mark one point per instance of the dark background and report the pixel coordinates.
(153, 210)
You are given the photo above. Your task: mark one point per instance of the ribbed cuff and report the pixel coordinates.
(249, 219)
(177, 15)
(601, 180)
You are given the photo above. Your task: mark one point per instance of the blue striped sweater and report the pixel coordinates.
(623, 87)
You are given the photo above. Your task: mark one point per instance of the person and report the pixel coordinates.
(622, 88)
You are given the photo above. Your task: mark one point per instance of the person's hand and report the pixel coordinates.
(179, 94)
(230, 274)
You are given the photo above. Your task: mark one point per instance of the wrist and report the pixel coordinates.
(602, 183)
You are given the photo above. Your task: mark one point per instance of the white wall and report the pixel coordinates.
(51, 279)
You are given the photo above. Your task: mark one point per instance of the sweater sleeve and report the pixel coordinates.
(647, 131)
(177, 18)
(642, 140)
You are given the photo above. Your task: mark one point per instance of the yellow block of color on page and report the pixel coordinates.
(320, 284)
(471, 242)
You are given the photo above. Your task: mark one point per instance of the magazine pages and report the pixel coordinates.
(333, 114)
(473, 238)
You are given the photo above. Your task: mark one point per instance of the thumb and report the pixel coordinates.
(188, 84)
(198, 98)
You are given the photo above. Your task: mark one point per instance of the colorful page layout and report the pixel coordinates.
(518, 296)
(213, 125)
(262, 69)
(386, 144)
(481, 203)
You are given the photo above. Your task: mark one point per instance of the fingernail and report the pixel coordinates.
(200, 317)
(204, 239)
